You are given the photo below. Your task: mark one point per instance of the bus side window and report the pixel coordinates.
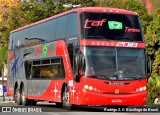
(36, 69)
(57, 68)
(61, 24)
(70, 51)
(72, 25)
(75, 68)
(61, 70)
(28, 66)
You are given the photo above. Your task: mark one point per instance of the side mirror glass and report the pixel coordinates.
(149, 65)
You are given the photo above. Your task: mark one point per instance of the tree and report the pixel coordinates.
(153, 43)
(137, 6)
(153, 50)
(5, 9)
(3, 54)
(153, 89)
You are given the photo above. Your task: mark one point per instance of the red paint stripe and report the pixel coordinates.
(10, 55)
(112, 43)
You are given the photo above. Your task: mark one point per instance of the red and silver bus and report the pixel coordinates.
(85, 56)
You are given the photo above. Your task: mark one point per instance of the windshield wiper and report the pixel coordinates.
(101, 76)
(136, 78)
(126, 76)
(133, 76)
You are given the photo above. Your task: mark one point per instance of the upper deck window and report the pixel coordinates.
(111, 26)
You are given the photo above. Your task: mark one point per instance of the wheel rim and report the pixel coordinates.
(23, 98)
(66, 100)
(17, 96)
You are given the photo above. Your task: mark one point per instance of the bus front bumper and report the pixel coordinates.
(99, 99)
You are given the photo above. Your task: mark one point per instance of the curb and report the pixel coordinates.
(7, 102)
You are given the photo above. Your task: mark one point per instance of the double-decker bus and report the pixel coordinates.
(84, 56)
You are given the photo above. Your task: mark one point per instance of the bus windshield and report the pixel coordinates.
(111, 26)
(114, 63)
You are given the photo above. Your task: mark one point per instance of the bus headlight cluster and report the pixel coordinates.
(141, 89)
(91, 88)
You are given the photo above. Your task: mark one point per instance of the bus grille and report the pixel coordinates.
(117, 83)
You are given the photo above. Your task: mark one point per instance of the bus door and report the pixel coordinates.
(40, 78)
(73, 54)
(28, 71)
(35, 78)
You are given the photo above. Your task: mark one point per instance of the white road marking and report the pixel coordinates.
(51, 113)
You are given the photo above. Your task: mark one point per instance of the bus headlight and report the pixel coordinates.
(91, 88)
(144, 88)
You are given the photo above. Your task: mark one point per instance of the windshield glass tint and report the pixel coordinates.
(110, 26)
(114, 63)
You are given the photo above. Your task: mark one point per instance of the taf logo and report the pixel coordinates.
(95, 23)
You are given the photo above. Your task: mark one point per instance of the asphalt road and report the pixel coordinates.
(51, 109)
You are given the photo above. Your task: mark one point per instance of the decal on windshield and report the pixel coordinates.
(94, 23)
(115, 25)
(128, 29)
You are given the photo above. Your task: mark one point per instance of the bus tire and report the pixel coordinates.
(23, 99)
(66, 100)
(17, 96)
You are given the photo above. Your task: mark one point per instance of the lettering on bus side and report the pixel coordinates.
(97, 23)
(127, 44)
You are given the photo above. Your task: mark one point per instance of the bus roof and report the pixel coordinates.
(79, 10)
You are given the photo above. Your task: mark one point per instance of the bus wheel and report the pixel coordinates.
(66, 100)
(23, 99)
(17, 96)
